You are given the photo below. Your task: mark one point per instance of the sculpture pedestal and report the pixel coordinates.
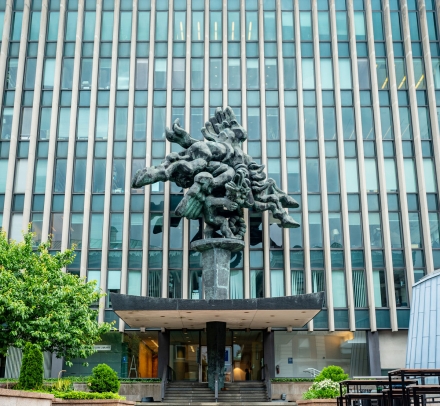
(216, 258)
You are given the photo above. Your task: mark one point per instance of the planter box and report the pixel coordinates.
(132, 391)
(9, 397)
(293, 390)
(93, 402)
(317, 402)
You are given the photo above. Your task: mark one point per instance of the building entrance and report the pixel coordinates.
(246, 354)
(243, 355)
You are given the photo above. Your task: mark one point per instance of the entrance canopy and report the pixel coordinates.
(150, 312)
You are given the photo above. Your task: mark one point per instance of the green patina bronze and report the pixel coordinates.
(221, 178)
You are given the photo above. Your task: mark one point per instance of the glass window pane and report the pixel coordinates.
(323, 26)
(410, 176)
(305, 21)
(338, 288)
(269, 26)
(107, 26)
(326, 73)
(251, 26)
(215, 26)
(143, 27)
(125, 26)
(345, 73)
(308, 73)
(287, 26)
(233, 26)
(198, 26)
(161, 25)
(341, 26)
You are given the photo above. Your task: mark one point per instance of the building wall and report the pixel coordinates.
(392, 349)
(340, 102)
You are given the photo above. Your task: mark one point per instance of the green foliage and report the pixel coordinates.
(292, 380)
(103, 379)
(41, 304)
(325, 389)
(31, 372)
(86, 395)
(332, 372)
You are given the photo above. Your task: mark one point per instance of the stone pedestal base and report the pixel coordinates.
(216, 258)
(216, 342)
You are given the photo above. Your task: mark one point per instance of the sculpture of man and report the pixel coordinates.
(221, 178)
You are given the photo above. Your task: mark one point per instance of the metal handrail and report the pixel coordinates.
(267, 381)
(216, 387)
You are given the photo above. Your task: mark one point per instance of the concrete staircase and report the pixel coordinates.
(243, 391)
(186, 393)
(235, 393)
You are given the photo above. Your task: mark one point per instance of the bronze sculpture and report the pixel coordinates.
(221, 179)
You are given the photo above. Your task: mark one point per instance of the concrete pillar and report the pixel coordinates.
(269, 351)
(373, 353)
(164, 352)
(216, 340)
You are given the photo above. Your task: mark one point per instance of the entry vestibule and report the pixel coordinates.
(244, 358)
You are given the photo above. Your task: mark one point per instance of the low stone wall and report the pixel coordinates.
(132, 391)
(293, 390)
(10, 397)
(317, 402)
(94, 402)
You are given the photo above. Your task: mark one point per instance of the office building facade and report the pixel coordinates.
(339, 99)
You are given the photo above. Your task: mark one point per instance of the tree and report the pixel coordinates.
(42, 305)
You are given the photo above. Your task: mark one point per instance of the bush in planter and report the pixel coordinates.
(325, 389)
(332, 372)
(86, 395)
(31, 372)
(103, 379)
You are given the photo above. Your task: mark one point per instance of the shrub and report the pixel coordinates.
(326, 389)
(103, 379)
(86, 395)
(62, 385)
(31, 372)
(332, 372)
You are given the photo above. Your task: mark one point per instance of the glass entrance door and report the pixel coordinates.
(247, 355)
(184, 355)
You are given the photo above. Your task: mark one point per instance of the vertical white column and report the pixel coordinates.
(91, 142)
(430, 90)
(109, 166)
(147, 189)
(5, 45)
(246, 254)
(167, 185)
(323, 173)
(265, 215)
(283, 149)
(35, 116)
(417, 142)
(381, 170)
(128, 158)
(360, 154)
(206, 62)
(342, 174)
(53, 124)
(398, 145)
(16, 117)
(185, 252)
(72, 129)
(225, 52)
(302, 155)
